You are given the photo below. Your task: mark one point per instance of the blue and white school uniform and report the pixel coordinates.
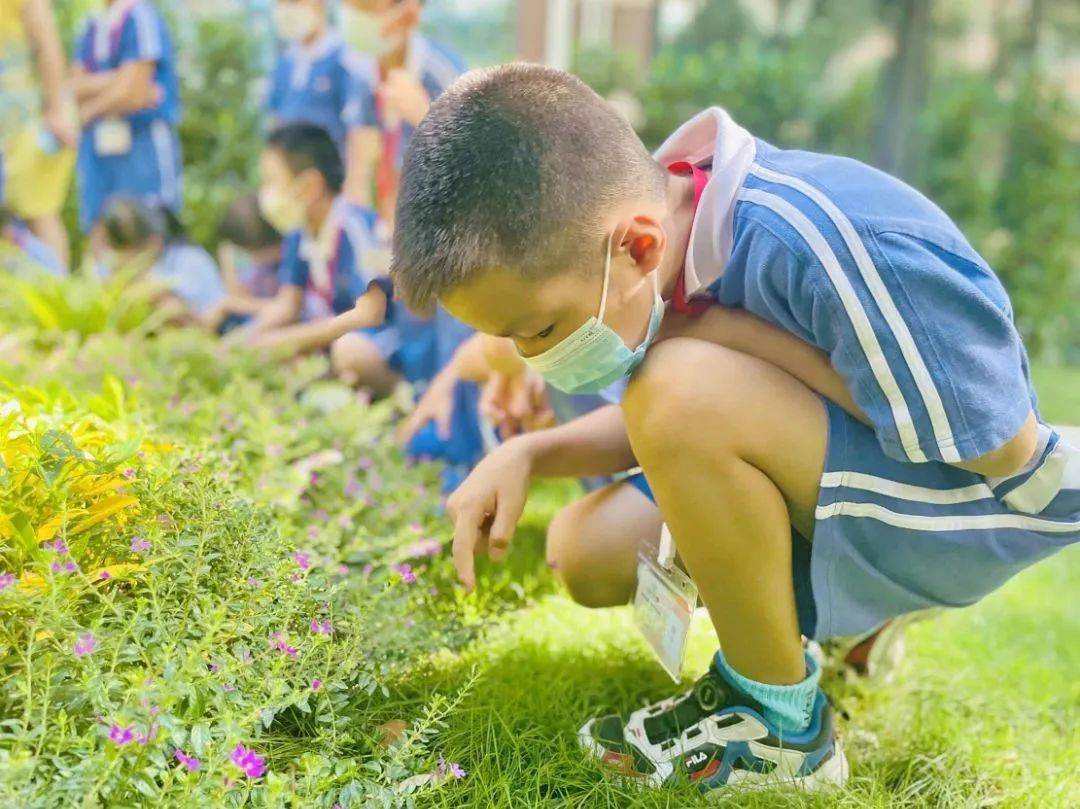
(136, 155)
(327, 265)
(191, 275)
(325, 84)
(864, 267)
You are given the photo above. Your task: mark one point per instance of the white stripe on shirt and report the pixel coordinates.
(945, 522)
(162, 139)
(147, 33)
(901, 333)
(906, 491)
(864, 331)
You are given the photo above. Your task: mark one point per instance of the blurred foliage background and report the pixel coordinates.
(974, 102)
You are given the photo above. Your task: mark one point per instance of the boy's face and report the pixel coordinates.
(286, 197)
(298, 19)
(538, 313)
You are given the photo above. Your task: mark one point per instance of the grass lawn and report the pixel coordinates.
(985, 710)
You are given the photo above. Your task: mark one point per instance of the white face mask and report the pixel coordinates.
(281, 210)
(294, 22)
(363, 32)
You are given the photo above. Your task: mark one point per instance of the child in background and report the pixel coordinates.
(412, 71)
(38, 125)
(318, 80)
(838, 430)
(128, 97)
(324, 291)
(249, 254)
(149, 242)
(21, 252)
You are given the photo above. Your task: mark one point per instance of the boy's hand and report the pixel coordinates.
(516, 403)
(405, 96)
(437, 405)
(487, 506)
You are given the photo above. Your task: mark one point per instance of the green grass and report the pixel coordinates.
(1059, 393)
(984, 711)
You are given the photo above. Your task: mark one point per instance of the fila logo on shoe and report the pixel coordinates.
(697, 759)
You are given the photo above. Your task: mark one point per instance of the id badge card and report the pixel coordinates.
(112, 136)
(664, 604)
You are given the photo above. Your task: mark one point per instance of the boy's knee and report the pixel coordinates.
(346, 355)
(682, 382)
(581, 570)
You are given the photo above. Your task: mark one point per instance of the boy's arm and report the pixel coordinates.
(129, 89)
(40, 25)
(370, 310)
(746, 333)
(282, 310)
(486, 508)
(361, 153)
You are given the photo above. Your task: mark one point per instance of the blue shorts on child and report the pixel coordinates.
(865, 268)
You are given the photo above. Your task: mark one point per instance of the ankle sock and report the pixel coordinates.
(788, 708)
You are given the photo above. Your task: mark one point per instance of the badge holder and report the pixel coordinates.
(664, 603)
(112, 137)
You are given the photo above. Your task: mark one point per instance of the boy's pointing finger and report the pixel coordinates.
(466, 534)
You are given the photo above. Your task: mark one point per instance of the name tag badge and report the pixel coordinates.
(112, 136)
(664, 604)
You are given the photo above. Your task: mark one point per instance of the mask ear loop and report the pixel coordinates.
(607, 278)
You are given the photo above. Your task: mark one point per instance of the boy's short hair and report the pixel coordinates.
(131, 223)
(308, 146)
(513, 167)
(244, 225)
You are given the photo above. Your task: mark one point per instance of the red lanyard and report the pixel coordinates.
(386, 176)
(679, 302)
(327, 294)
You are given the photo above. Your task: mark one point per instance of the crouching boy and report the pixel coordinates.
(837, 428)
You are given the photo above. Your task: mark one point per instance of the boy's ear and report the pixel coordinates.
(644, 241)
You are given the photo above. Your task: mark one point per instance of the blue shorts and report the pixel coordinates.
(149, 171)
(893, 537)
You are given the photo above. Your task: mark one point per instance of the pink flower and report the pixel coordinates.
(86, 644)
(6, 580)
(139, 545)
(278, 641)
(302, 560)
(316, 684)
(249, 761)
(343, 570)
(344, 521)
(129, 473)
(406, 573)
(416, 527)
(104, 575)
(321, 515)
(352, 487)
(321, 627)
(121, 736)
(447, 770)
(190, 762)
(425, 547)
(313, 532)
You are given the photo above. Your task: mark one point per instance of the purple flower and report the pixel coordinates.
(416, 527)
(366, 463)
(374, 481)
(303, 560)
(253, 582)
(58, 546)
(121, 736)
(315, 478)
(139, 545)
(409, 622)
(313, 532)
(344, 521)
(249, 761)
(164, 519)
(129, 473)
(321, 515)
(278, 641)
(6, 580)
(274, 450)
(66, 567)
(448, 769)
(352, 487)
(425, 547)
(85, 644)
(228, 688)
(104, 575)
(406, 573)
(367, 569)
(190, 762)
(322, 627)
(316, 684)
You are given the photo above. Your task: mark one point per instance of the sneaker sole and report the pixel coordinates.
(833, 774)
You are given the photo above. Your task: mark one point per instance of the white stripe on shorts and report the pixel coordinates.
(166, 160)
(939, 420)
(945, 522)
(864, 331)
(906, 491)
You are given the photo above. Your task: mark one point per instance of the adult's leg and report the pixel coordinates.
(733, 449)
(592, 544)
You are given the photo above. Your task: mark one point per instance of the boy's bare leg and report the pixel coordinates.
(593, 543)
(50, 229)
(733, 449)
(357, 361)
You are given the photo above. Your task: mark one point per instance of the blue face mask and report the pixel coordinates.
(595, 356)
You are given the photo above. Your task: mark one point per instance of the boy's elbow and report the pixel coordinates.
(1011, 457)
